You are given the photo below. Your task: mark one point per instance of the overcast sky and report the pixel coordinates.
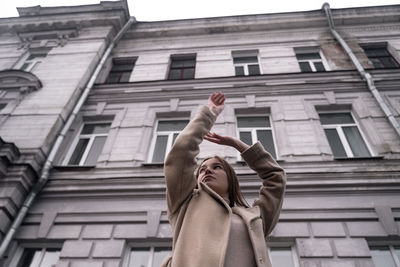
(154, 10)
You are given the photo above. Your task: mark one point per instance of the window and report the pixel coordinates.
(380, 56)
(45, 257)
(182, 67)
(343, 135)
(310, 59)
(165, 135)
(246, 63)
(147, 257)
(256, 128)
(283, 256)
(386, 256)
(89, 144)
(121, 70)
(33, 59)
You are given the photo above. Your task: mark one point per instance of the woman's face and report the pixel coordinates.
(212, 173)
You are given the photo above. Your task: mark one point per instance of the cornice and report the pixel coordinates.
(267, 22)
(270, 84)
(37, 19)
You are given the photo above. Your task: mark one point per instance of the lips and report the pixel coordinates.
(208, 178)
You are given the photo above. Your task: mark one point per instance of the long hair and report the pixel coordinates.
(234, 192)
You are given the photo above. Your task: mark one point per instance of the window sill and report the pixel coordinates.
(359, 158)
(153, 164)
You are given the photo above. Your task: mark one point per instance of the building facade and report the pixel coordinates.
(328, 113)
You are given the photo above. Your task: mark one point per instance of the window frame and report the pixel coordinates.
(182, 57)
(384, 46)
(295, 256)
(391, 249)
(242, 54)
(308, 50)
(32, 63)
(91, 137)
(151, 246)
(131, 60)
(253, 131)
(170, 135)
(342, 136)
(16, 258)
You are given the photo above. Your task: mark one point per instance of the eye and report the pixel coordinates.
(201, 170)
(217, 167)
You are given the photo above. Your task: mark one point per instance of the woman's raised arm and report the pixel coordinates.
(180, 163)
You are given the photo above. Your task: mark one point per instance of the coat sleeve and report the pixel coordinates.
(180, 163)
(273, 184)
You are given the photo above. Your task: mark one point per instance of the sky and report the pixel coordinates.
(156, 10)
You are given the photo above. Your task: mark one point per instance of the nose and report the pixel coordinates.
(208, 170)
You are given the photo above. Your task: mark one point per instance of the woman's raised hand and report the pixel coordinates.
(227, 141)
(216, 102)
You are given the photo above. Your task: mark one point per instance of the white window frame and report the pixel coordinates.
(91, 138)
(343, 139)
(292, 247)
(311, 62)
(170, 135)
(33, 63)
(253, 131)
(151, 248)
(20, 251)
(250, 53)
(395, 258)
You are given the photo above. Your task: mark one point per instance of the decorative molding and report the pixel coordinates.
(25, 81)
(46, 38)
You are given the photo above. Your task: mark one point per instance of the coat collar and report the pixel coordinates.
(247, 214)
(217, 197)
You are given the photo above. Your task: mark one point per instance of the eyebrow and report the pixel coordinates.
(214, 164)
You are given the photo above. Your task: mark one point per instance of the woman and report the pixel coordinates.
(212, 225)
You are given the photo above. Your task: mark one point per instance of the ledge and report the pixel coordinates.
(360, 158)
(153, 164)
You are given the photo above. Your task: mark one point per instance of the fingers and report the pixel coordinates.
(218, 98)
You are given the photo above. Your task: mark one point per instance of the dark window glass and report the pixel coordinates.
(160, 148)
(120, 71)
(239, 71)
(336, 118)
(254, 70)
(252, 122)
(265, 137)
(335, 143)
(78, 152)
(182, 68)
(319, 66)
(381, 58)
(188, 73)
(27, 257)
(305, 67)
(246, 138)
(100, 128)
(171, 125)
(307, 56)
(356, 142)
(244, 60)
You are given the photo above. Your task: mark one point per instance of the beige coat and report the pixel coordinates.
(200, 218)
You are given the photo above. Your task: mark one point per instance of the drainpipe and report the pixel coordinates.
(49, 161)
(365, 75)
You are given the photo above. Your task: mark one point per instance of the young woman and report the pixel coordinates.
(212, 224)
